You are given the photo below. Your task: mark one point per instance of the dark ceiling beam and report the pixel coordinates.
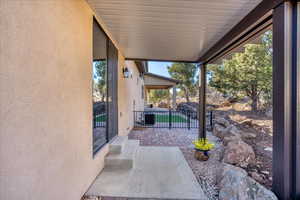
(235, 34)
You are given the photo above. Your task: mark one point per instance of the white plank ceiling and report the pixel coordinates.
(169, 29)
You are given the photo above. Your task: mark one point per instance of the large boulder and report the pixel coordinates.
(235, 184)
(221, 121)
(219, 131)
(239, 153)
(231, 132)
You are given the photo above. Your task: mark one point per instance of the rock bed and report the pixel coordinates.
(205, 172)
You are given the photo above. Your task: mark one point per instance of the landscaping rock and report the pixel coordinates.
(231, 138)
(269, 112)
(236, 185)
(91, 198)
(256, 176)
(248, 135)
(233, 130)
(239, 153)
(219, 131)
(247, 122)
(222, 121)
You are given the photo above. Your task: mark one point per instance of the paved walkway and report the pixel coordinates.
(205, 172)
(159, 172)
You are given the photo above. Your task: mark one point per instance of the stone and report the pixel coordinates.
(265, 172)
(233, 130)
(268, 149)
(256, 176)
(235, 184)
(222, 121)
(91, 198)
(269, 112)
(231, 138)
(239, 153)
(241, 106)
(248, 135)
(219, 131)
(247, 122)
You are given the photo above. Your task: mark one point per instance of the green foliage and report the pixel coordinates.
(158, 95)
(100, 75)
(185, 72)
(246, 74)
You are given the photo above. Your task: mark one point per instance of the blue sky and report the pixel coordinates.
(159, 68)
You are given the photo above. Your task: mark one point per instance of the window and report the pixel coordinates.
(99, 88)
(105, 90)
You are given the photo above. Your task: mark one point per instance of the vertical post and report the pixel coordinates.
(202, 101)
(285, 98)
(211, 119)
(174, 98)
(170, 119)
(189, 119)
(296, 102)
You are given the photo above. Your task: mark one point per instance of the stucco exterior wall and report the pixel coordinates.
(130, 96)
(46, 100)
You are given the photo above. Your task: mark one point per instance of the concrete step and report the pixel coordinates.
(115, 147)
(124, 160)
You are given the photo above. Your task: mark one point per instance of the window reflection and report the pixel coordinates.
(99, 88)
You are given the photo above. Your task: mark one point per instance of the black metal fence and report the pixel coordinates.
(170, 119)
(99, 120)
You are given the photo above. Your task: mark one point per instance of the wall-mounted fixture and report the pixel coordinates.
(126, 73)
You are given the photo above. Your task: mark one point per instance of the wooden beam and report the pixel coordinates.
(240, 30)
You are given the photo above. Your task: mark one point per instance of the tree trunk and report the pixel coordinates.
(254, 104)
(187, 96)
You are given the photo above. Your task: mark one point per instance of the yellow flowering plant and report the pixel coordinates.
(203, 144)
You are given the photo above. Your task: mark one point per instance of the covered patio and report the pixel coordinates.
(48, 77)
(203, 32)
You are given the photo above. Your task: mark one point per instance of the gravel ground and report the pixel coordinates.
(205, 172)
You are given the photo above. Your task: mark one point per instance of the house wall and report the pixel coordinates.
(46, 100)
(130, 96)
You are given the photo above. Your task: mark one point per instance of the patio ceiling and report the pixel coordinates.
(173, 30)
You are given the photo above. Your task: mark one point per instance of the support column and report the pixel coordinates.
(296, 101)
(174, 98)
(202, 101)
(286, 111)
(169, 99)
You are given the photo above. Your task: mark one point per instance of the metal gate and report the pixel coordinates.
(170, 119)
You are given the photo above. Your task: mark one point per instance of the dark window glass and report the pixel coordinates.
(99, 88)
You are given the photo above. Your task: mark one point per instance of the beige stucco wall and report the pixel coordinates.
(130, 96)
(45, 100)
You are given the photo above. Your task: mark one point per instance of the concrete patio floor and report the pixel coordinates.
(159, 172)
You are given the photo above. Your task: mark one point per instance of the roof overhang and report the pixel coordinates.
(183, 31)
(154, 81)
(170, 30)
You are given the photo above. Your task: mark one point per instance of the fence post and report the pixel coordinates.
(189, 120)
(211, 119)
(170, 118)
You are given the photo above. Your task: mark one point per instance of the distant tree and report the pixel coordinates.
(100, 73)
(157, 96)
(185, 72)
(247, 74)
